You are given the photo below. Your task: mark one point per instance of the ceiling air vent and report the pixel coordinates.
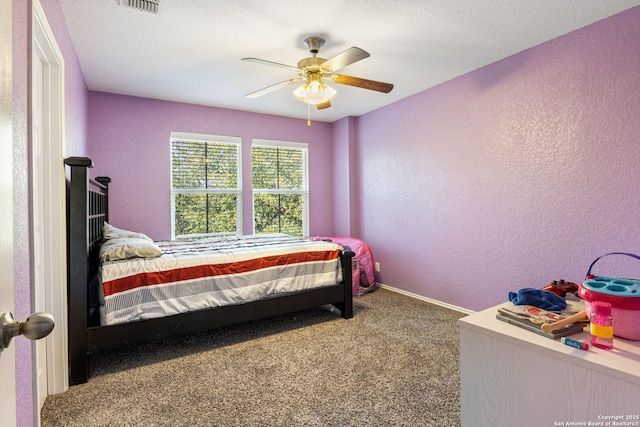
(144, 5)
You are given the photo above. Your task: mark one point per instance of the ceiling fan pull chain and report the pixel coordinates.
(309, 115)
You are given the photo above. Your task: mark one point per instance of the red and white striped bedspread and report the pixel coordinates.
(193, 275)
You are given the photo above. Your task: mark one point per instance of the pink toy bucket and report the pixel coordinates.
(622, 294)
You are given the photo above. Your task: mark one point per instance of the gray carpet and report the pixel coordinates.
(396, 363)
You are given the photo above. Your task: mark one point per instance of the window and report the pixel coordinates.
(206, 196)
(280, 187)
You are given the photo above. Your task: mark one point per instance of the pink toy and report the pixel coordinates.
(363, 268)
(622, 294)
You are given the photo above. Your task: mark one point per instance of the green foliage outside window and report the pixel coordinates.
(205, 214)
(279, 189)
(205, 187)
(278, 213)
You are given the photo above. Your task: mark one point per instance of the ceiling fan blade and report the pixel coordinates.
(273, 64)
(323, 105)
(348, 57)
(362, 83)
(271, 88)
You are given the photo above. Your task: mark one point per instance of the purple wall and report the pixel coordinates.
(129, 140)
(344, 173)
(511, 176)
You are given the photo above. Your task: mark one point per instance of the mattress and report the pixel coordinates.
(205, 273)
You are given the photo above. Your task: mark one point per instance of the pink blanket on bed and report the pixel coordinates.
(363, 266)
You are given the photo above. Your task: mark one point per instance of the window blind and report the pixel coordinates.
(280, 188)
(205, 185)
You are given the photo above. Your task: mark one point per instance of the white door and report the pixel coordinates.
(7, 356)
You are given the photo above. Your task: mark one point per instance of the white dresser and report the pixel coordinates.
(513, 377)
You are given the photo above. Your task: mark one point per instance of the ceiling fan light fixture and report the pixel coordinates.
(314, 92)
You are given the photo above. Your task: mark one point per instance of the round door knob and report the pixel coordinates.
(36, 326)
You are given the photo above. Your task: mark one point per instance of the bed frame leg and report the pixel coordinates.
(346, 307)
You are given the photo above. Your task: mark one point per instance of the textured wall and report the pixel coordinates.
(345, 167)
(511, 176)
(129, 140)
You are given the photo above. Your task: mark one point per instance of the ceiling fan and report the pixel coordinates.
(314, 72)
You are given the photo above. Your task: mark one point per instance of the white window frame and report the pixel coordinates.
(238, 192)
(305, 180)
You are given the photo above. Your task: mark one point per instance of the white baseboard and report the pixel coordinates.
(429, 300)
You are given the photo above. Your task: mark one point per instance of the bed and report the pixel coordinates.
(92, 329)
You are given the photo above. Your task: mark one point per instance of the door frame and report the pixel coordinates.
(55, 260)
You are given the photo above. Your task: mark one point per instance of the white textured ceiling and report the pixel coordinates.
(190, 51)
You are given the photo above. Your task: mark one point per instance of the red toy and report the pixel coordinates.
(561, 287)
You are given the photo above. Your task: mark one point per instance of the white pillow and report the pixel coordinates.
(111, 232)
(127, 247)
